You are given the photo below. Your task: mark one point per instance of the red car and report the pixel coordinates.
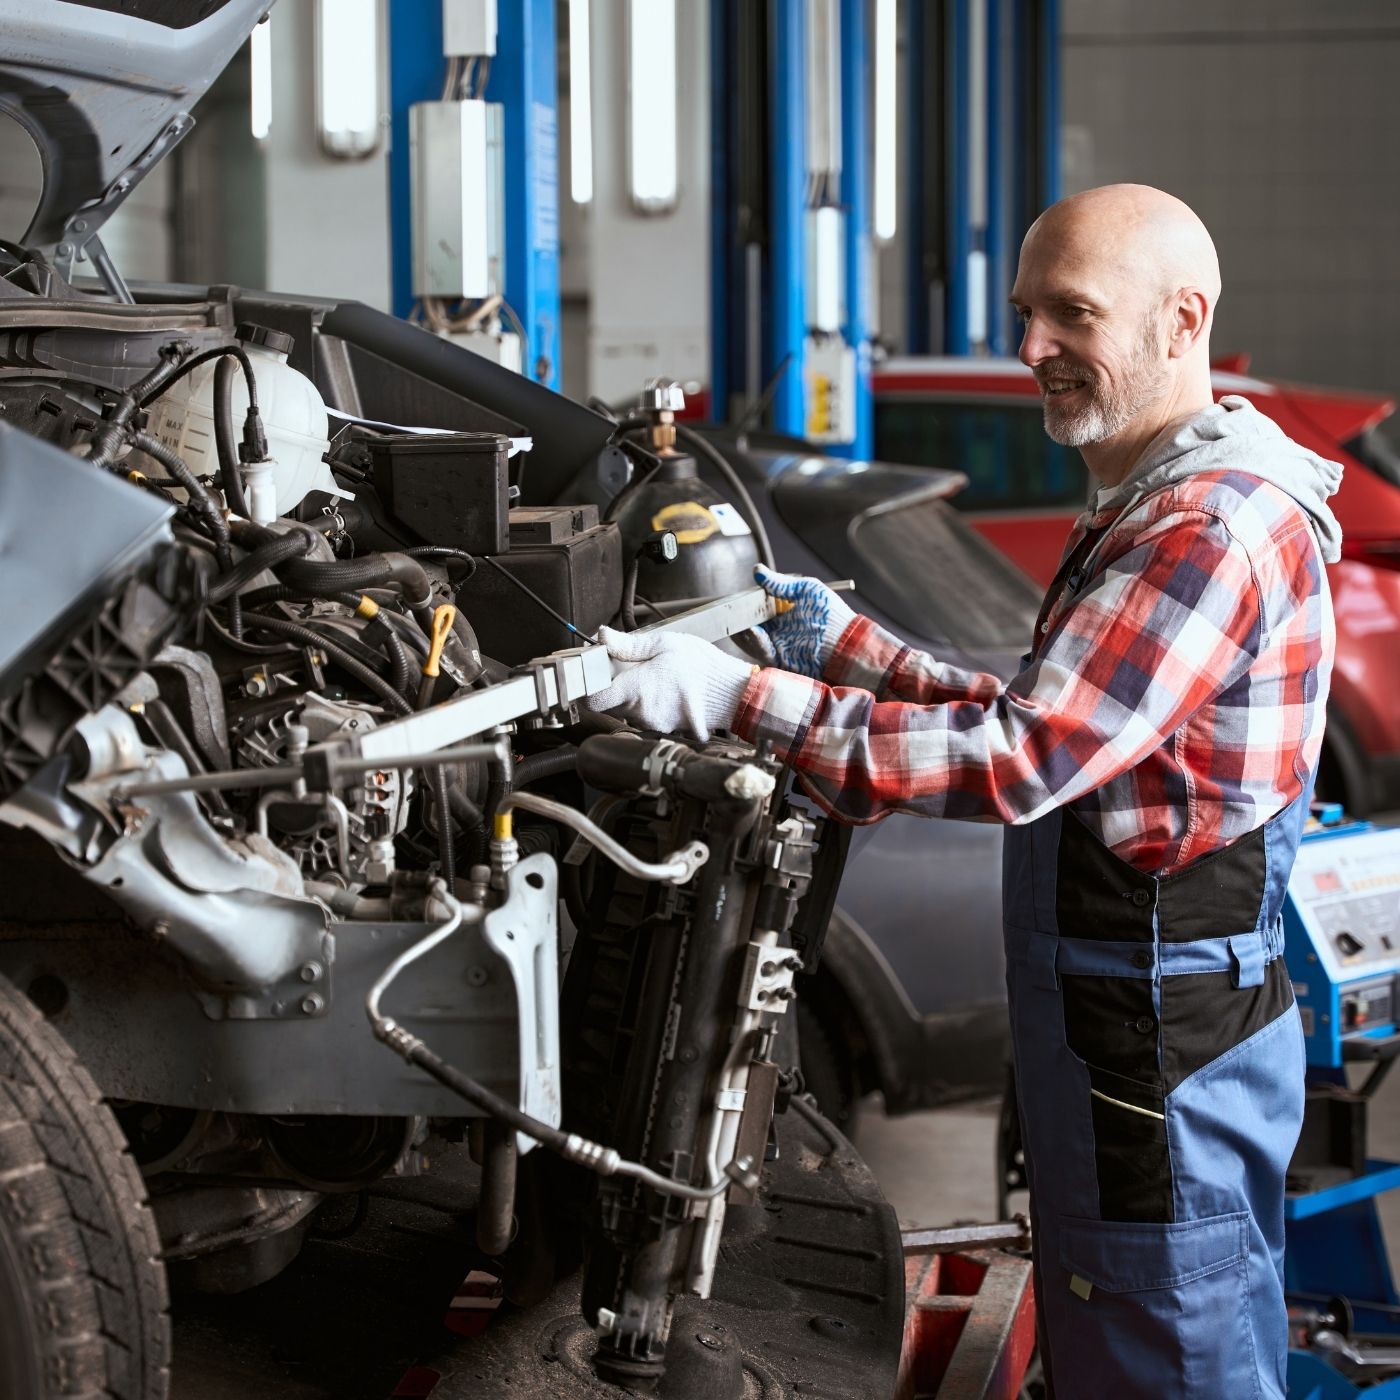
(983, 418)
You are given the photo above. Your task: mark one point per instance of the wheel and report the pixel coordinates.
(828, 1074)
(82, 1286)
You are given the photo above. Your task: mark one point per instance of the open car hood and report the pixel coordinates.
(105, 89)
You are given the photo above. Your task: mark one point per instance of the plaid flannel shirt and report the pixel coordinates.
(1174, 699)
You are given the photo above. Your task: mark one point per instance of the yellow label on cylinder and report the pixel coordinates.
(688, 521)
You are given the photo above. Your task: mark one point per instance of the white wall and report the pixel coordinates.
(648, 276)
(327, 220)
(1278, 122)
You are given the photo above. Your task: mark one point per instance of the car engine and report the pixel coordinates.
(297, 774)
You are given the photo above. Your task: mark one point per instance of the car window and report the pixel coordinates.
(1376, 448)
(1002, 448)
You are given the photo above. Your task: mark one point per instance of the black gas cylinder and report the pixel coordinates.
(716, 550)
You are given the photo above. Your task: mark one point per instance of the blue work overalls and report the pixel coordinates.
(1159, 1068)
(1159, 1063)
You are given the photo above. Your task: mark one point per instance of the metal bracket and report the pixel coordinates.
(80, 229)
(767, 981)
(524, 931)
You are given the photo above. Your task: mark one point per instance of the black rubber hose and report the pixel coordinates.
(391, 654)
(150, 388)
(442, 800)
(564, 759)
(340, 656)
(202, 501)
(405, 629)
(495, 1206)
(383, 635)
(229, 475)
(720, 463)
(373, 571)
(266, 556)
(444, 552)
(466, 812)
(477, 1093)
(629, 594)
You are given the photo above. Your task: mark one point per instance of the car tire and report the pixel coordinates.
(82, 1287)
(829, 1076)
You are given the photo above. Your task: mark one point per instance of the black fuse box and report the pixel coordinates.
(448, 488)
(568, 560)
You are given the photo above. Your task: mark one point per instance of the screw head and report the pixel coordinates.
(476, 976)
(311, 1004)
(310, 972)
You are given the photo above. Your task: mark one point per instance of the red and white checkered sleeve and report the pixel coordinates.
(1171, 621)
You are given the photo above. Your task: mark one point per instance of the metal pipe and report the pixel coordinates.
(676, 869)
(606, 1161)
(284, 774)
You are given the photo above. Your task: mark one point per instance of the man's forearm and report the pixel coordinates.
(873, 659)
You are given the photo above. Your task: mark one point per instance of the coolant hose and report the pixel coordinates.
(564, 759)
(383, 635)
(274, 550)
(229, 474)
(495, 1208)
(373, 571)
(340, 656)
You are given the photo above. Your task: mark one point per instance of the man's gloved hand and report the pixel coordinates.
(803, 637)
(679, 684)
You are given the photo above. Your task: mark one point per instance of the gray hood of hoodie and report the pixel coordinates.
(1233, 435)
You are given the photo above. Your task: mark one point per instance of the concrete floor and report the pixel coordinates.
(937, 1167)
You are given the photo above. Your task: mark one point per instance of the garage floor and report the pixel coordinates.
(352, 1318)
(936, 1168)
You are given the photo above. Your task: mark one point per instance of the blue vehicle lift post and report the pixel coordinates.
(787, 242)
(759, 254)
(524, 80)
(856, 167)
(1006, 145)
(416, 69)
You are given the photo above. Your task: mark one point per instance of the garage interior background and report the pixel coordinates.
(1274, 119)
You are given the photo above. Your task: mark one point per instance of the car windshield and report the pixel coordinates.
(1376, 448)
(938, 578)
(1001, 447)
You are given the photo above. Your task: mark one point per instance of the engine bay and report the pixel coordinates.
(319, 855)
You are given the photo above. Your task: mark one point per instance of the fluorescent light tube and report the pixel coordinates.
(348, 77)
(652, 121)
(886, 108)
(260, 61)
(580, 105)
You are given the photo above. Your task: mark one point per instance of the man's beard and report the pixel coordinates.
(1107, 410)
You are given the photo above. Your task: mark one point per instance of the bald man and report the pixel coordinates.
(1152, 761)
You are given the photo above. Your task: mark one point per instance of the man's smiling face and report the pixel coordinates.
(1092, 339)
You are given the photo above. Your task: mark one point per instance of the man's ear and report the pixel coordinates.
(1189, 317)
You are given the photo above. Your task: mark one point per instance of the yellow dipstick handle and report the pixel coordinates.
(443, 618)
(501, 827)
(782, 605)
(366, 607)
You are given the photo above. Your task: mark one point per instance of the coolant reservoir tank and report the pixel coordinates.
(293, 415)
(716, 551)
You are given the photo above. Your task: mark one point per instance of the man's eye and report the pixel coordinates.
(1074, 313)
(1023, 314)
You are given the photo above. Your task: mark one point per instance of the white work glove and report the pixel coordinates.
(803, 637)
(679, 684)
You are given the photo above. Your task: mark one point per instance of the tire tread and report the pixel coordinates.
(74, 1207)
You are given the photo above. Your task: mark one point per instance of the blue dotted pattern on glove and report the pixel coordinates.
(797, 634)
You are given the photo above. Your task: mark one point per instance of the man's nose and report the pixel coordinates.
(1037, 344)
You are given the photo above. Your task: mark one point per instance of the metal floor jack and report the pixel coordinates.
(1342, 926)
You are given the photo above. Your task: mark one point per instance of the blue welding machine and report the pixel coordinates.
(1342, 928)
